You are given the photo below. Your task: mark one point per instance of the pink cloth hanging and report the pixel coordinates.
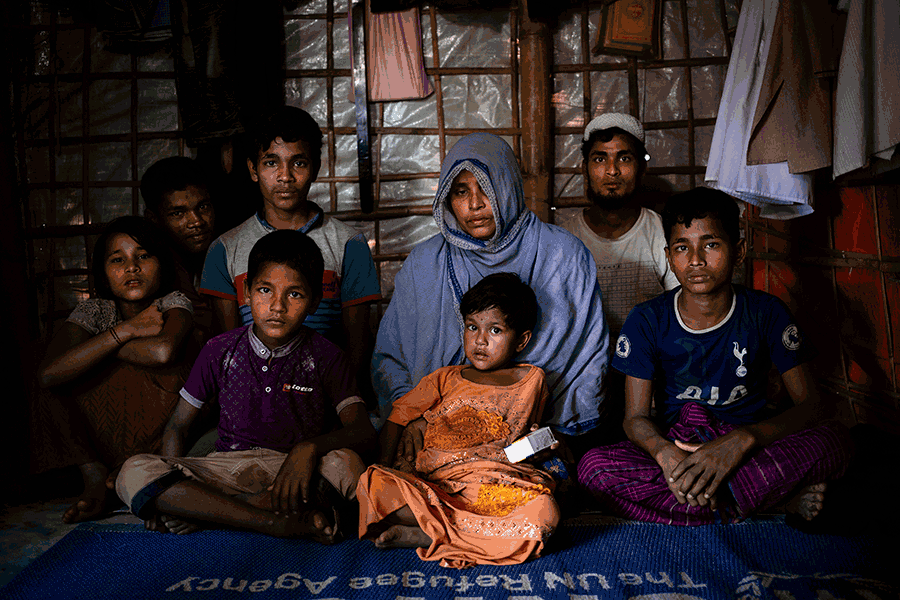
(395, 66)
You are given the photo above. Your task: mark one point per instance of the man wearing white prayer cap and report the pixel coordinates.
(625, 238)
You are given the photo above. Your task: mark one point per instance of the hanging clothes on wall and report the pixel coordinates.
(133, 25)
(229, 65)
(867, 108)
(395, 66)
(792, 121)
(127, 26)
(779, 193)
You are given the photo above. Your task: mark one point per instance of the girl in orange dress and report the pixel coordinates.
(467, 504)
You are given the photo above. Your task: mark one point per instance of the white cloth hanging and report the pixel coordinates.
(779, 193)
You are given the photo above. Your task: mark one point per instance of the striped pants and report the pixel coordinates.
(629, 483)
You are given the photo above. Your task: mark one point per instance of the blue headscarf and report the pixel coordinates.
(422, 328)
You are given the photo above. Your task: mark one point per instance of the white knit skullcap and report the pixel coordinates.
(620, 120)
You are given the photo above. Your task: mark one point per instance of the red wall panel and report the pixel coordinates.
(863, 324)
(854, 224)
(887, 201)
(848, 304)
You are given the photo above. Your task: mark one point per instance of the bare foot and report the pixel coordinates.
(310, 524)
(808, 502)
(170, 524)
(86, 509)
(111, 479)
(403, 536)
(94, 501)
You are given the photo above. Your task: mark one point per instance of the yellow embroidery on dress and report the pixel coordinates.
(498, 499)
(465, 428)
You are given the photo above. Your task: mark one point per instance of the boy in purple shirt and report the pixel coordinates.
(290, 416)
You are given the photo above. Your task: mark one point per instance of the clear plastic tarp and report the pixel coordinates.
(476, 93)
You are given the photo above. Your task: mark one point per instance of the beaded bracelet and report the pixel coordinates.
(112, 331)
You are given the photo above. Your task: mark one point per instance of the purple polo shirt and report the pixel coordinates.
(271, 398)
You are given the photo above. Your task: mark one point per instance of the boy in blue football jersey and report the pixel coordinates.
(704, 350)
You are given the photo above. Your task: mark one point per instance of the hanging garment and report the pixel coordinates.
(779, 193)
(792, 121)
(867, 107)
(394, 48)
(128, 26)
(395, 66)
(221, 85)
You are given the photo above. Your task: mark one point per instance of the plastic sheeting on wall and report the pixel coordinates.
(473, 41)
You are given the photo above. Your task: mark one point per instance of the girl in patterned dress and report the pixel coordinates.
(466, 503)
(114, 367)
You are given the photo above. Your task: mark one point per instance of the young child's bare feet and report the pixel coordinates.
(403, 536)
(808, 502)
(94, 501)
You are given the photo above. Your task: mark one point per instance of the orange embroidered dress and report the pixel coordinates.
(477, 507)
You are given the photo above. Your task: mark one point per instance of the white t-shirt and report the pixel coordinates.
(630, 269)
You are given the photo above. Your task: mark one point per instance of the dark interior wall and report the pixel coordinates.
(14, 330)
(839, 271)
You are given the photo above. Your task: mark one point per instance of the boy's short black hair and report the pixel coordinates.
(605, 135)
(292, 249)
(291, 124)
(167, 175)
(149, 237)
(508, 294)
(699, 203)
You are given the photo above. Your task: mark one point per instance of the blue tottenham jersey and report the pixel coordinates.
(724, 367)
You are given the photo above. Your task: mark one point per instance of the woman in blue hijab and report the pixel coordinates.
(485, 228)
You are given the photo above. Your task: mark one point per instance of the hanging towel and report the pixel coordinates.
(867, 108)
(779, 193)
(395, 67)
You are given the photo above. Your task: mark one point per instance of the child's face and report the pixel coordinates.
(702, 257)
(489, 343)
(284, 173)
(132, 272)
(279, 300)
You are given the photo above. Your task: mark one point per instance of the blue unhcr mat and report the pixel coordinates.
(639, 561)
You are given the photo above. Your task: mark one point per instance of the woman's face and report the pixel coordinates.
(132, 272)
(471, 207)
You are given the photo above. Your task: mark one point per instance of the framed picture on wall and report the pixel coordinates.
(630, 28)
